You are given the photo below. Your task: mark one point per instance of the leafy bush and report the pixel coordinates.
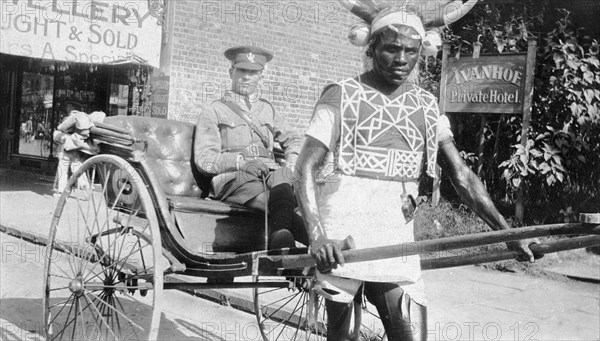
(559, 167)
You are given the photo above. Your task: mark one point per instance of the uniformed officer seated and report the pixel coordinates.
(235, 138)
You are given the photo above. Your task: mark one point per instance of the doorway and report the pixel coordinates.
(8, 106)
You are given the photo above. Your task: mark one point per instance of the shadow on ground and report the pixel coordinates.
(22, 320)
(14, 180)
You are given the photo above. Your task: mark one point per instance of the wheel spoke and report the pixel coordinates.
(287, 320)
(269, 291)
(96, 208)
(100, 316)
(124, 251)
(70, 256)
(83, 216)
(61, 309)
(300, 319)
(59, 303)
(95, 316)
(66, 319)
(112, 209)
(89, 203)
(274, 320)
(115, 273)
(282, 305)
(145, 270)
(114, 300)
(70, 260)
(63, 271)
(117, 312)
(113, 264)
(122, 234)
(106, 253)
(83, 332)
(96, 263)
(77, 309)
(60, 276)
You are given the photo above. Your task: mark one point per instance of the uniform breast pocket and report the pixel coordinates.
(234, 134)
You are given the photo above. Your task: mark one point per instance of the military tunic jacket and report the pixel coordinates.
(220, 132)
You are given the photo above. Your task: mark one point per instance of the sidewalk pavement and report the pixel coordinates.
(466, 303)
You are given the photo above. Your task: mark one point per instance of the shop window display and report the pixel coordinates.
(47, 91)
(36, 114)
(119, 98)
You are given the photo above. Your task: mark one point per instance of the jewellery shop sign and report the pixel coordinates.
(84, 31)
(488, 84)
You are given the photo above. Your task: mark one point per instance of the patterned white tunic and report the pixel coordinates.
(377, 146)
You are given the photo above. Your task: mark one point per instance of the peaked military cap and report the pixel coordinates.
(248, 57)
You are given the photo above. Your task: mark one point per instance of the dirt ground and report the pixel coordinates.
(465, 303)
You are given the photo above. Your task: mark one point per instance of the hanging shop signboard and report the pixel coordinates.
(156, 102)
(84, 31)
(160, 96)
(488, 84)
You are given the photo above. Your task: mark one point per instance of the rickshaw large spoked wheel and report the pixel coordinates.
(298, 313)
(290, 313)
(103, 271)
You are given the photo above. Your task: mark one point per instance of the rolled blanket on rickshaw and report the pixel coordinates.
(74, 131)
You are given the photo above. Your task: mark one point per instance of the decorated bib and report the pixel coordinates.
(385, 138)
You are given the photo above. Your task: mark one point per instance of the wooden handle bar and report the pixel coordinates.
(499, 255)
(441, 244)
(347, 243)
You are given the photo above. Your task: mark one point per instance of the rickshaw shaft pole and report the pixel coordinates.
(500, 255)
(234, 285)
(442, 244)
(189, 285)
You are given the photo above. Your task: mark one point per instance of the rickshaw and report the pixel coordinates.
(135, 220)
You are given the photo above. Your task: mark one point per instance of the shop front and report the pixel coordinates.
(62, 55)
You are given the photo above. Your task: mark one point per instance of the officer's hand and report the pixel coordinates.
(254, 167)
(522, 246)
(328, 255)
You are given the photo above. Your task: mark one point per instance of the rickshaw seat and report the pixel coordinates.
(215, 225)
(169, 152)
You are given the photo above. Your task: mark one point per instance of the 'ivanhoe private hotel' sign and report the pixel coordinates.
(488, 84)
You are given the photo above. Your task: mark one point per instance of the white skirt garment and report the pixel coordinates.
(371, 212)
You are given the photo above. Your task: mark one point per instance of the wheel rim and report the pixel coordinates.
(104, 245)
(285, 313)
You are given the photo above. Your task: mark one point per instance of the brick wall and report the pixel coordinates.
(308, 39)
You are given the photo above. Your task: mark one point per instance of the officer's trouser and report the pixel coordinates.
(402, 318)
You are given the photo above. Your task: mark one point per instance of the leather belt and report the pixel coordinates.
(253, 151)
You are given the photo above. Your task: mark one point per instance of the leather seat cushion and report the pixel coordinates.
(169, 152)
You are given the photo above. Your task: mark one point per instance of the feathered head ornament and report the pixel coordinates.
(377, 19)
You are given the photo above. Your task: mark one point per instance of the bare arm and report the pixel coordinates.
(469, 187)
(310, 159)
(473, 193)
(326, 252)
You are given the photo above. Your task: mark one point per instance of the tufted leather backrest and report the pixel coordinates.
(169, 153)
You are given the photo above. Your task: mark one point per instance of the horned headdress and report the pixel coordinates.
(377, 17)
